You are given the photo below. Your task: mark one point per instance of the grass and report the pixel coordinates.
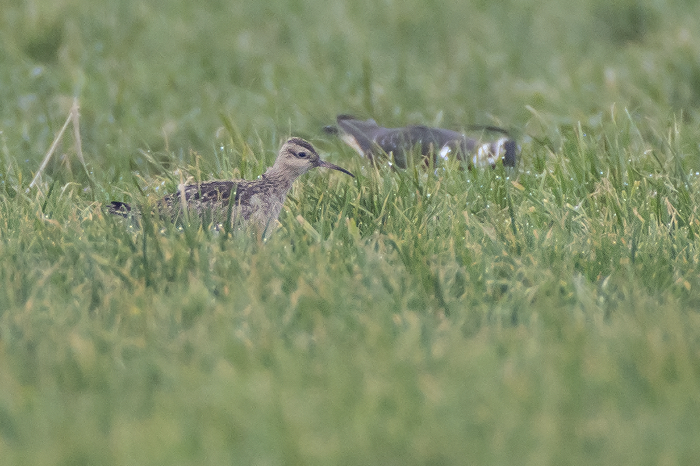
(544, 315)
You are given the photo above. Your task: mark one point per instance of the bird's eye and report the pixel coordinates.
(302, 154)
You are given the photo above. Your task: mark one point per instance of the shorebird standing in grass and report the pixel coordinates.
(248, 203)
(371, 140)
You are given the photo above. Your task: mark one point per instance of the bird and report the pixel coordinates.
(247, 203)
(371, 140)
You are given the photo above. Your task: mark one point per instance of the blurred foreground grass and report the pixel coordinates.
(547, 315)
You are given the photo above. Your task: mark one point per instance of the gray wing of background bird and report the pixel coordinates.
(370, 140)
(401, 141)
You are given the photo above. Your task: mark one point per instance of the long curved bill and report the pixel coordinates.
(324, 164)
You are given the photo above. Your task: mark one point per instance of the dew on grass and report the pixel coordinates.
(24, 102)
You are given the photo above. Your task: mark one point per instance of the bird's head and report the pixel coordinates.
(298, 156)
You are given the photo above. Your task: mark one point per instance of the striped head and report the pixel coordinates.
(298, 156)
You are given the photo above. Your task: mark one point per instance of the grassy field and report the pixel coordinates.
(547, 315)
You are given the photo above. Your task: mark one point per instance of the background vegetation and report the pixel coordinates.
(546, 315)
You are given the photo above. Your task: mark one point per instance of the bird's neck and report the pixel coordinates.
(281, 180)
